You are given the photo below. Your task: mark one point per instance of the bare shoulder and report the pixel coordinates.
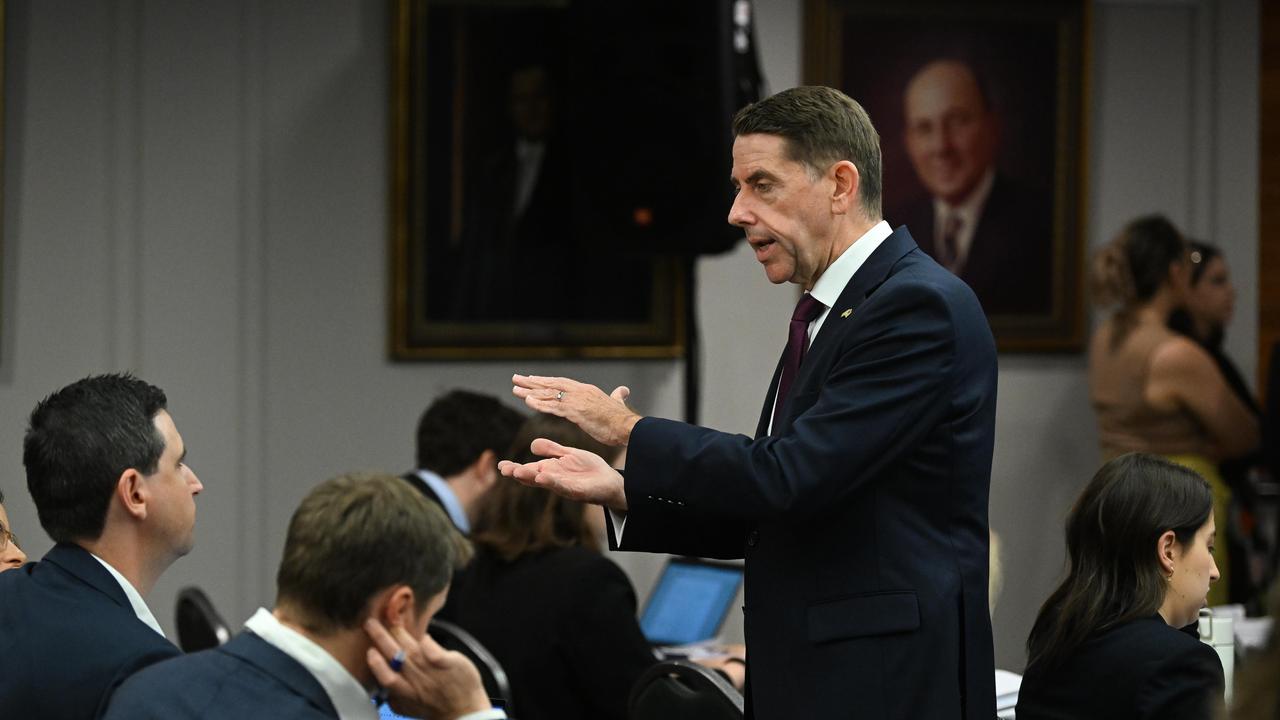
(1181, 357)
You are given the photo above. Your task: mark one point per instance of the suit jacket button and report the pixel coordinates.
(753, 537)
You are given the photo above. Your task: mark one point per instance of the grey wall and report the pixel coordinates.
(198, 192)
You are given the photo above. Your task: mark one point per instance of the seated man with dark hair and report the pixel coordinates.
(459, 437)
(364, 552)
(105, 467)
(11, 555)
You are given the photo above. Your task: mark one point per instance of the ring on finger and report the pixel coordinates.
(560, 395)
(397, 661)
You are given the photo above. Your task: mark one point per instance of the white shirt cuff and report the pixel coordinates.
(490, 714)
(619, 521)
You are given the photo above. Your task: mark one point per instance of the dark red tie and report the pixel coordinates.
(797, 342)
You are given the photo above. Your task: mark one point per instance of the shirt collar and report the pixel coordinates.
(971, 207)
(135, 598)
(348, 696)
(448, 499)
(834, 279)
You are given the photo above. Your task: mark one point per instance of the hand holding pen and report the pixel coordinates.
(421, 679)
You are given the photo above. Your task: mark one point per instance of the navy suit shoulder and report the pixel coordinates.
(68, 637)
(1142, 669)
(248, 677)
(863, 515)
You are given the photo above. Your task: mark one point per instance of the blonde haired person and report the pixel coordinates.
(1153, 390)
(366, 564)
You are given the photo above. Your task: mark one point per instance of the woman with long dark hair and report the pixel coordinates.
(1154, 390)
(1107, 643)
(558, 616)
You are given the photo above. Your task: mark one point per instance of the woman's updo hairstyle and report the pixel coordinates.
(1130, 269)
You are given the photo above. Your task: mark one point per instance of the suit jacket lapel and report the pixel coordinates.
(874, 271)
(865, 281)
(275, 662)
(762, 427)
(985, 263)
(77, 562)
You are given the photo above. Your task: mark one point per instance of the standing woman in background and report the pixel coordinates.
(1210, 303)
(1153, 390)
(1208, 309)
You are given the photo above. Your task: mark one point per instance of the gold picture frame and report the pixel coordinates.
(459, 291)
(1024, 258)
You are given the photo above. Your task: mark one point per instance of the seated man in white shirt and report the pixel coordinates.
(364, 552)
(106, 470)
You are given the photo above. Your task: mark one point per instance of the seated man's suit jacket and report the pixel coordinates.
(246, 678)
(862, 517)
(68, 637)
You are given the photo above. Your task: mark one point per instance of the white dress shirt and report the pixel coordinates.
(349, 697)
(528, 165)
(969, 212)
(135, 598)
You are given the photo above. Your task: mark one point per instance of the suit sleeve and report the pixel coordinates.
(158, 653)
(603, 639)
(651, 528)
(884, 392)
(132, 692)
(1186, 686)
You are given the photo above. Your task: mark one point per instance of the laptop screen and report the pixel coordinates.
(689, 602)
(386, 713)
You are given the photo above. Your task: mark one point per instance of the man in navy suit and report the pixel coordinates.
(364, 553)
(860, 506)
(106, 469)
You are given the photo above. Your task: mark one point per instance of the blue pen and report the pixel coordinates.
(397, 662)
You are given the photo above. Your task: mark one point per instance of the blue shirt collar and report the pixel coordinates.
(448, 499)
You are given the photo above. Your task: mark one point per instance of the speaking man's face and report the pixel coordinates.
(951, 135)
(784, 211)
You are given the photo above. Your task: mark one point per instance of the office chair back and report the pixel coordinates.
(452, 637)
(680, 690)
(200, 627)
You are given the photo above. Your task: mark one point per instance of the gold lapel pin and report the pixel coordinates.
(846, 313)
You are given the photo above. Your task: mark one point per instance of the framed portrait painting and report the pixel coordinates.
(504, 243)
(980, 109)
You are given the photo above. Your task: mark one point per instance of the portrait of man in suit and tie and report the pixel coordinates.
(992, 230)
(980, 112)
